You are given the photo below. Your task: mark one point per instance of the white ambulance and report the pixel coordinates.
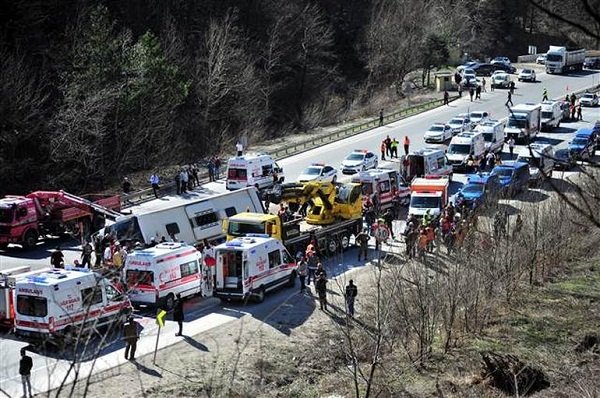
(427, 162)
(61, 304)
(155, 275)
(389, 185)
(252, 266)
(253, 170)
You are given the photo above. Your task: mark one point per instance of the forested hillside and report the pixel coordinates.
(92, 90)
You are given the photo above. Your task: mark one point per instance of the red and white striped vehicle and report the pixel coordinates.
(388, 184)
(252, 266)
(59, 304)
(155, 275)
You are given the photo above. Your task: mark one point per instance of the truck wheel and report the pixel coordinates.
(259, 296)
(169, 302)
(292, 280)
(30, 239)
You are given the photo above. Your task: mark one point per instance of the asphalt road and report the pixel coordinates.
(204, 314)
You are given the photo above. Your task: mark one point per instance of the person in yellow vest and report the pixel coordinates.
(118, 256)
(394, 151)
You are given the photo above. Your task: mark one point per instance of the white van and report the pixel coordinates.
(551, 115)
(465, 144)
(427, 162)
(253, 170)
(155, 275)
(493, 134)
(252, 266)
(388, 183)
(540, 157)
(62, 303)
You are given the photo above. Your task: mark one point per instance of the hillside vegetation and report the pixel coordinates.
(93, 90)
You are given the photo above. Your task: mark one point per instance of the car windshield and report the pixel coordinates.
(526, 71)
(456, 121)
(502, 172)
(580, 141)
(476, 115)
(562, 154)
(533, 162)
(459, 149)
(355, 156)
(587, 96)
(425, 202)
(546, 115)
(127, 229)
(488, 137)
(312, 171)
(436, 128)
(6, 214)
(473, 188)
(554, 57)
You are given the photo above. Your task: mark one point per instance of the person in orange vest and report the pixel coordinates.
(382, 148)
(406, 144)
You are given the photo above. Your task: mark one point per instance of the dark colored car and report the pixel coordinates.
(505, 68)
(479, 189)
(513, 176)
(485, 69)
(591, 63)
(563, 160)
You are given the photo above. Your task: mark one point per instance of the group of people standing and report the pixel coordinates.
(389, 147)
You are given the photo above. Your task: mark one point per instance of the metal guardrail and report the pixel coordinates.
(145, 195)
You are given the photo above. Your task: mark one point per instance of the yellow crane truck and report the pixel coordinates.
(333, 215)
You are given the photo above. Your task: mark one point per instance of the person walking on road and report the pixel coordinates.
(406, 144)
(512, 87)
(579, 116)
(471, 93)
(381, 117)
(363, 244)
(86, 255)
(131, 336)
(483, 85)
(25, 365)
(509, 99)
(492, 86)
(178, 314)
(388, 146)
(154, 181)
(57, 258)
(478, 92)
(545, 94)
(394, 148)
(382, 148)
(302, 272)
(511, 146)
(446, 98)
(321, 287)
(351, 293)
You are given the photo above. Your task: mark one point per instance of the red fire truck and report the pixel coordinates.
(24, 219)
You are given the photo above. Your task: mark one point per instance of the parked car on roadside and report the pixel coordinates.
(589, 99)
(438, 132)
(484, 69)
(592, 63)
(527, 75)
(564, 160)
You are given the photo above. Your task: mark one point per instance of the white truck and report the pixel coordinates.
(427, 162)
(561, 59)
(493, 134)
(464, 145)
(253, 170)
(251, 266)
(189, 219)
(156, 275)
(58, 305)
(429, 196)
(551, 115)
(523, 122)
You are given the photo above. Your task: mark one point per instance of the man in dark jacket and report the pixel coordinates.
(131, 336)
(25, 365)
(321, 287)
(362, 239)
(178, 314)
(351, 293)
(57, 258)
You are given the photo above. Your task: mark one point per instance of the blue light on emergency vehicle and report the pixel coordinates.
(257, 235)
(234, 243)
(38, 279)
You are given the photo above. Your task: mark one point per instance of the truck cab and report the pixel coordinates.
(252, 266)
(429, 196)
(523, 122)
